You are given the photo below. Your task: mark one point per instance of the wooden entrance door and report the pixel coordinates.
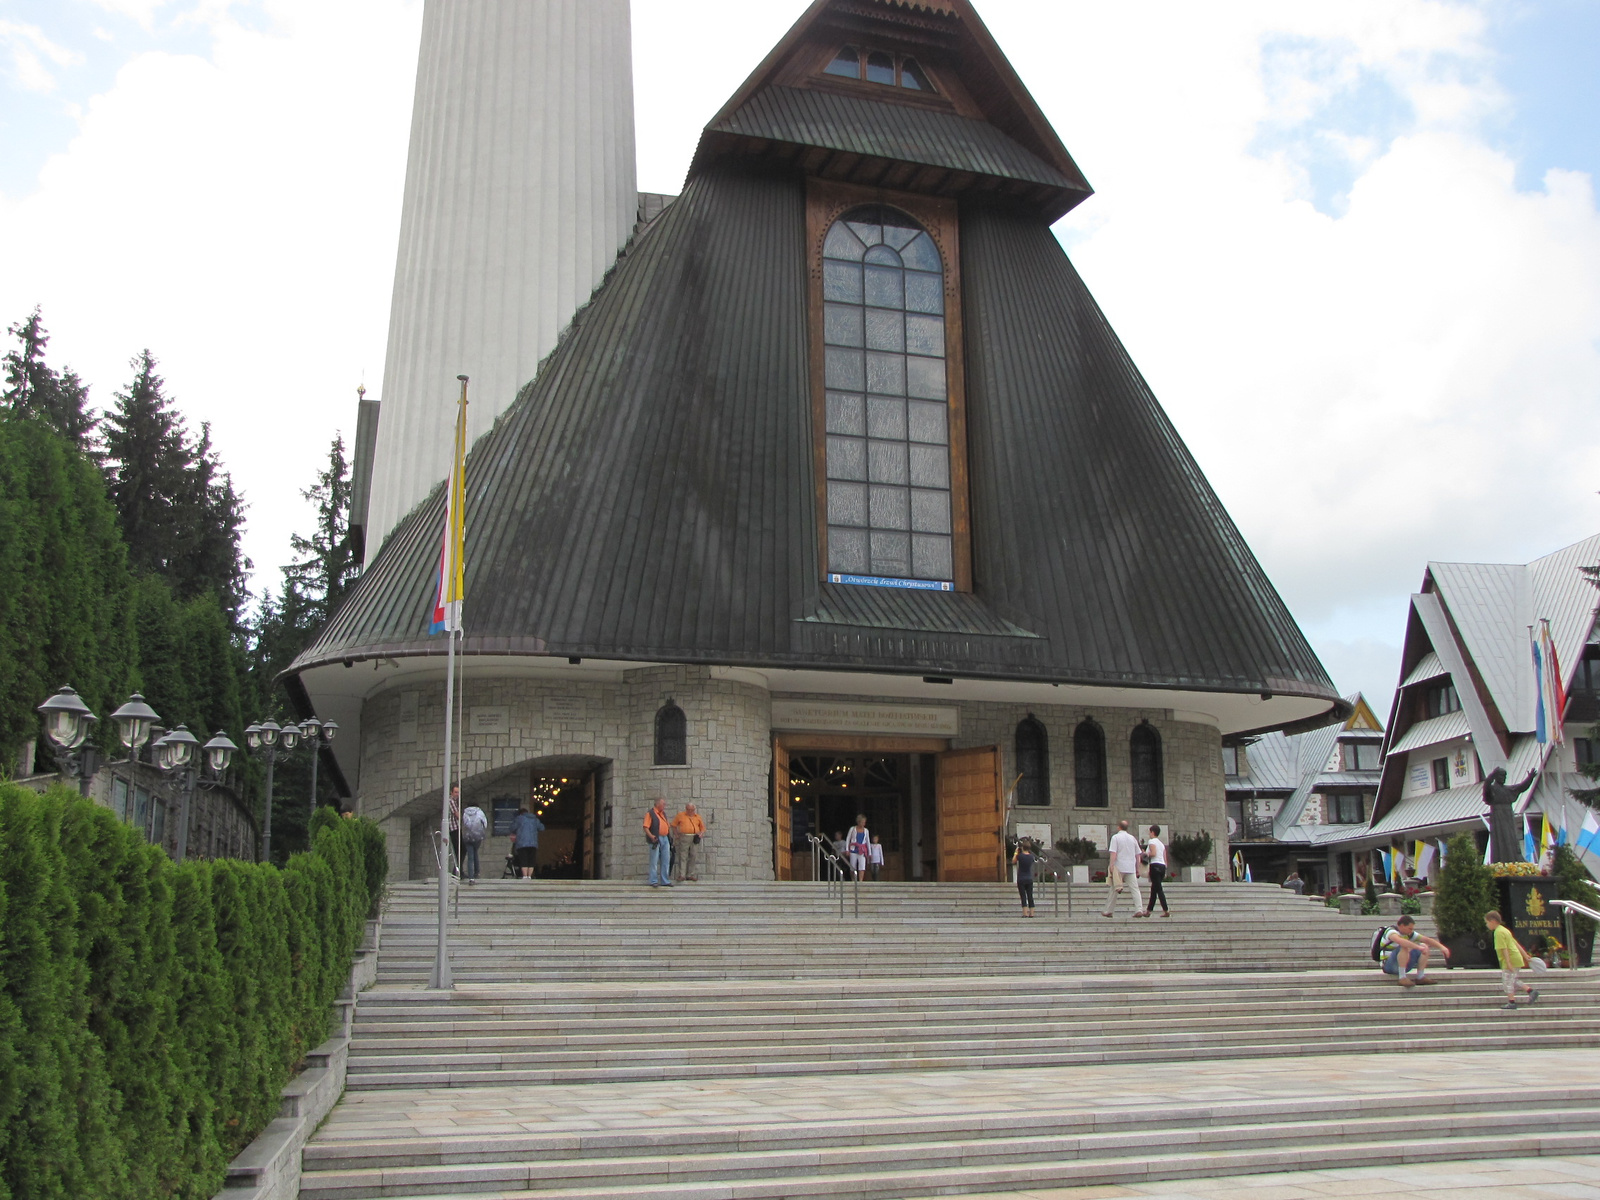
(586, 825)
(970, 816)
(782, 852)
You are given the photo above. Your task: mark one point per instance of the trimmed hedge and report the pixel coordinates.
(150, 1013)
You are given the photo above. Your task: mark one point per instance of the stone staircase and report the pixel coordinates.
(940, 1045)
(566, 930)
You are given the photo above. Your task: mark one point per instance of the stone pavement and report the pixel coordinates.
(1575, 1177)
(678, 1105)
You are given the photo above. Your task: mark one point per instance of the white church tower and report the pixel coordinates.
(520, 191)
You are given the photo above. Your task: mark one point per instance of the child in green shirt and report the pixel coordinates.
(1512, 959)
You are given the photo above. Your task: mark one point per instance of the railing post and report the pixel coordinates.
(858, 894)
(1572, 949)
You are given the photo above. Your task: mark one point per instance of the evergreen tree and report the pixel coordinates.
(180, 515)
(324, 569)
(33, 389)
(65, 592)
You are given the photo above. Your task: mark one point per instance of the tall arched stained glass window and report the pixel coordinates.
(888, 401)
(1144, 762)
(1089, 764)
(1033, 763)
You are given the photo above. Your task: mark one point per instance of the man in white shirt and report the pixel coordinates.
(1123, 870)
(1155, 853)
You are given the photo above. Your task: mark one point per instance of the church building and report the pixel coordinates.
(838, 495)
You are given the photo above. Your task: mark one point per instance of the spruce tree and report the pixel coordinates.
(324, 568)
(33, 389)
(179, 512)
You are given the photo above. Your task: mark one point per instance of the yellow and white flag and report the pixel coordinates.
(452, 580)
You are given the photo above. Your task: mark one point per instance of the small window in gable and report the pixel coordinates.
(1033, 763)
(911, 76)
(880, 67)
(672, 736)
(847, 63)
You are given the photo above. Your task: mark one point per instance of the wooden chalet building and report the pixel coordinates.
(840, 495)
(1466, 700)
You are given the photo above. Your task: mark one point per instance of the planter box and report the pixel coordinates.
(1469, 951)
(1194, 874)
(1080, 873)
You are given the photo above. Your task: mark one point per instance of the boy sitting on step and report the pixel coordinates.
(1512, 959)
(1404, 941)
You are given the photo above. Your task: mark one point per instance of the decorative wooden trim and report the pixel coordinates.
(857, 743)
(826, 201)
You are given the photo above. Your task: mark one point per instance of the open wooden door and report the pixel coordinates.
(586, 826)
(970, 815)
(782, 852)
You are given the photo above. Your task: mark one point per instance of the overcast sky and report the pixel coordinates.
(1353, 245)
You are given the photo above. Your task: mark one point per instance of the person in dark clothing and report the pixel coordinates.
(1023, 859)
(1155, 854)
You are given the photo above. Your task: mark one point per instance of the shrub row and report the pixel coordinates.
(150, 1013)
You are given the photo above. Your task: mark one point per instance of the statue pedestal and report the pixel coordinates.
(1525, 902)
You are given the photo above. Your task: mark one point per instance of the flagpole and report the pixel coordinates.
(449, 572)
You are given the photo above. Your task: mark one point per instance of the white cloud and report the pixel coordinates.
(31, 54)
(238, 215)
(1412, 379)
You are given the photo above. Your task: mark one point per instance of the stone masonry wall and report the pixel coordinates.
(612, 726)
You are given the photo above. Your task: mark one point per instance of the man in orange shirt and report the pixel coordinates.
(657, 831)
(687, 831)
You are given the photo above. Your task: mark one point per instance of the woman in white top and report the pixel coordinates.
(857, 844)
(1155, 853)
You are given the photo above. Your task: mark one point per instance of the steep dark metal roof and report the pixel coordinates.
(650, 496)
(871, 138)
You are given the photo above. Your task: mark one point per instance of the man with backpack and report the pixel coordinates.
(1401, 939)
(474, 828)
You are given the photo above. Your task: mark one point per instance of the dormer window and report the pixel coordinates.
(879, 66)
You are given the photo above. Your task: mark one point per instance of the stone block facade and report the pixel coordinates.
(569, 725)
(544, 725)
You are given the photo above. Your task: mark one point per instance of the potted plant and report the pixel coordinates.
(1075, 852)
(1465, 892)
(1190, 851)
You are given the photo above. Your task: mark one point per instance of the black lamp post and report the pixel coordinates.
(317, 735)
(175, 755)
(267, 739)
(67, 724)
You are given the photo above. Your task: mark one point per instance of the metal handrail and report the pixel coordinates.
(838, 872)
(1572, 906)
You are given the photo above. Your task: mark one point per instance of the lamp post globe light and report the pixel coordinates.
(135, 722)
(175, 755)
(67, 724)
(267, 739)
(317, 734)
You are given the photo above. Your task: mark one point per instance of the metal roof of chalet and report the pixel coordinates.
(650, 495)
(871, 135)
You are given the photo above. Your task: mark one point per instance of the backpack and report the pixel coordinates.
(474, 825)
(1378, 940)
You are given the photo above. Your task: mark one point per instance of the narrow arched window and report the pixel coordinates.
(1033, 763)
(1144, 759)
(887, 400)
(1089, 764)
(672, 736)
